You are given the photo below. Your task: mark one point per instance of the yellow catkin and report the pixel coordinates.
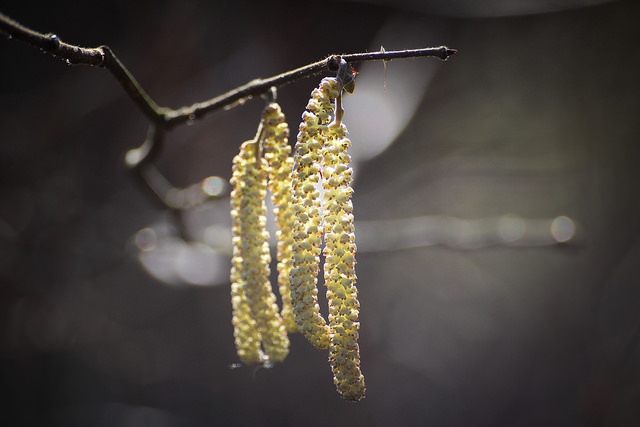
(339, 266)
(307, 226)
(245, 331)
(277, 153)
(250, 265)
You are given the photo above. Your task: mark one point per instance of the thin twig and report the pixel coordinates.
(259, 86)
(51, 43)
(167, 118)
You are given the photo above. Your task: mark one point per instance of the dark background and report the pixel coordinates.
(536, 116)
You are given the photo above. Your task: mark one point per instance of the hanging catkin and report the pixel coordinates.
(250, 264)
(321, 156)
(339, 265)
(307, 226)
(277, 153)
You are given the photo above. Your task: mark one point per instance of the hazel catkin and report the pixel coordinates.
(307, 226)
(277, 153)
(322, 159)
(250, 264)
(339, 266)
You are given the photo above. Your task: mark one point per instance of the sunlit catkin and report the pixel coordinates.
(311, 193)
(251, 258)
(339, 266)
(307, 226)
(245, 331)
(277, 153)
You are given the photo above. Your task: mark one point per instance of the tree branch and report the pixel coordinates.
(167, 118)
(140, 160)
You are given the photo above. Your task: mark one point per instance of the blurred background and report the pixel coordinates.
(496, 200)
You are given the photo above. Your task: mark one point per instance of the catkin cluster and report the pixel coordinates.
(321, 156)
(311, 193)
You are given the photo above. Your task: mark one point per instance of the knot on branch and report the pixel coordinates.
(52, 42)
(333, 63)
